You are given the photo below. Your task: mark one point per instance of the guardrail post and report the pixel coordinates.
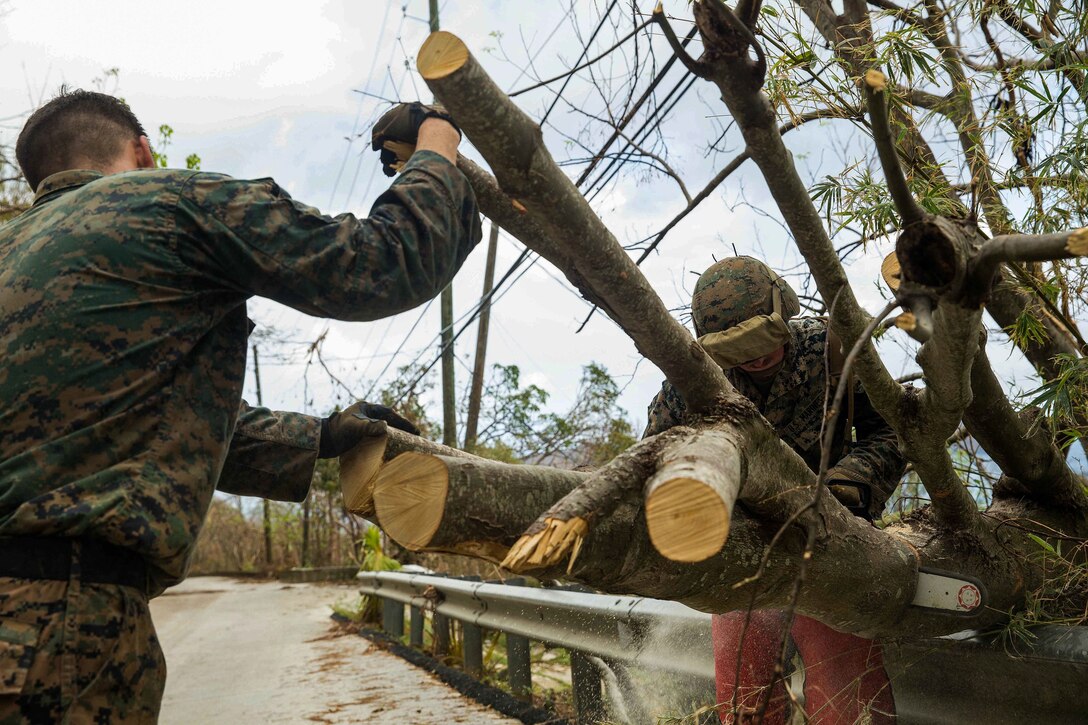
(393, 618)
(518, 666)
(472, 646)
(415, 627)
(472, 643)
(440, 625)
(585, 681)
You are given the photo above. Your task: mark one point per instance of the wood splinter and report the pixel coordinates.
(548, 546)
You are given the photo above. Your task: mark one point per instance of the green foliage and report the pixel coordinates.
(1027, 330)
(905, 52)
(158, 152)
(374, 557)
(516, 427)
(1060, 597)
(859, 200)
(356, 609)
(159, 156)
(1062, 401)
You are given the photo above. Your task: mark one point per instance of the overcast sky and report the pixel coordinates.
(270, 88)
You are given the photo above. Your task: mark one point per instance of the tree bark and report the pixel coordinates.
(861, 579)
(689, 501)
(359, 467)
(464, 505)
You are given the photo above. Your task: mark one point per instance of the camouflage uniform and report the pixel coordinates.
(123, 333)
(794, 400)
(794, 407)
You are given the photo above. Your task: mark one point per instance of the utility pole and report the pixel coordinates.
(449, 378)
(476, 391)
(267, 507)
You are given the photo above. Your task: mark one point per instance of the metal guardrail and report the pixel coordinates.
(659, 635)
(956, 679)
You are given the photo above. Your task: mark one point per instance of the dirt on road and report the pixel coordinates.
(258, 651)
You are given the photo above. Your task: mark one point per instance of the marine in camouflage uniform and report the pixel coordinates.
(739, 289)
(123, 334)
(742, 312)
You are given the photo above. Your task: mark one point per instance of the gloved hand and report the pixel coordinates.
(851, 491)
(395, 133)
(340, 432)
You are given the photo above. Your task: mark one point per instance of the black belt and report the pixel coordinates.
(42, 557)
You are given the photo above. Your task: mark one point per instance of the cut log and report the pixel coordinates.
(572, 237)
(689, 501)
(441, 54)
(359, 467)
(464, 504)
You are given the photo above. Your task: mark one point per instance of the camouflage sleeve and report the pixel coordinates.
(251, 236)
(665, 411)
(874, 457)
(272, 454)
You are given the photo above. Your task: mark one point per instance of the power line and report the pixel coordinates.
(358, 111)
(644, 131)
(660, 111)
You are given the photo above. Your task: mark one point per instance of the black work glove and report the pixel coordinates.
(396, 132)
(851, 491)
(340, 432)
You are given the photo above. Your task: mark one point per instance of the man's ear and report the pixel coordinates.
(144, 157)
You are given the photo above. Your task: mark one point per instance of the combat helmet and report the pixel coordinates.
(740, 308)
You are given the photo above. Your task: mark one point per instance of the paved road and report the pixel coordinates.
(255, 652)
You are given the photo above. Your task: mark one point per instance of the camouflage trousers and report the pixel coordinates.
(75, 652)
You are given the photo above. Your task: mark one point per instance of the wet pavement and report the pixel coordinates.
(240, 651)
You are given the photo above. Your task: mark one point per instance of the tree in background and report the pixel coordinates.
(517, 429)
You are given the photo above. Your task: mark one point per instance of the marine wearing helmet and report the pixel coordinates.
(744, 315)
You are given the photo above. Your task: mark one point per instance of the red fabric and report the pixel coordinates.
(845, 679)
(759, 650)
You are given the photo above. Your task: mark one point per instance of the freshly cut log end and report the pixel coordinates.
(442, 53)
(1078, 242)
(358, 472)
(687, 520)
(410, 498)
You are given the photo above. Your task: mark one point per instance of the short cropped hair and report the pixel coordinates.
(75, 127)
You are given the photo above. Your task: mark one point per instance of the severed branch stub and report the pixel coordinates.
(689, 501)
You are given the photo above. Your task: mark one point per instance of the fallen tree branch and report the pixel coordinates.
(575, 239)
(560, 531)
(1024, 452)
(1027, 248)
(490, 500)
(864, 576)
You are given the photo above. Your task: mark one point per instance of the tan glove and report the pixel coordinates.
(851, 490)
